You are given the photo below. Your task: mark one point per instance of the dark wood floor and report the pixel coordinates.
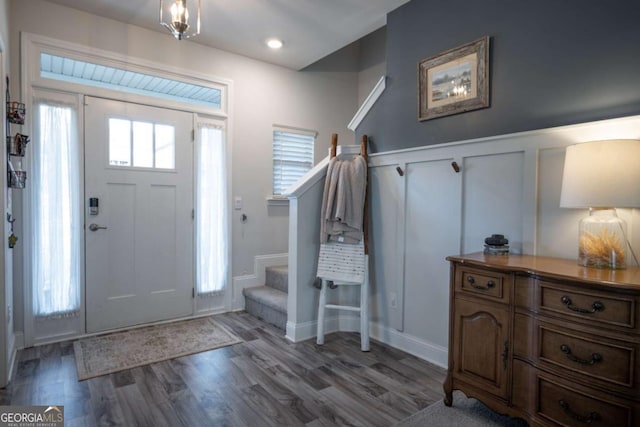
(265, 381)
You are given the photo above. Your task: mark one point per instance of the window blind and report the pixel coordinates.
(292, 157)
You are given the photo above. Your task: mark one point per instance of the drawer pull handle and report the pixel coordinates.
(472, 282)
(593, 416)
(595, 357)
(595, 307)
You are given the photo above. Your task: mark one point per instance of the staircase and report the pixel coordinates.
(269, 302)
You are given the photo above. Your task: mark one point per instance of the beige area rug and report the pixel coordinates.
(464, 413)
(118, 351)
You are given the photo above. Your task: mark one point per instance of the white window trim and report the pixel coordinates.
(72, 325)
(301, 131)
(32, 45)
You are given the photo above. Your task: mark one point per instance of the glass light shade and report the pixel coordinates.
(602, 240)
(602, 176)
(176, 17)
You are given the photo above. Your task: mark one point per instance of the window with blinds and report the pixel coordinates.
(292, 157)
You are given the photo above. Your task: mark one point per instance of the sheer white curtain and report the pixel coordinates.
(56, 220)
(212, 205)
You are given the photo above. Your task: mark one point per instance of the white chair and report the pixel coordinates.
(345, 265)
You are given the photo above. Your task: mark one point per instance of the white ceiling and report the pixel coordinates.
(310, 29)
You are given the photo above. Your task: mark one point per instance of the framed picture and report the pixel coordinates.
(454, 81)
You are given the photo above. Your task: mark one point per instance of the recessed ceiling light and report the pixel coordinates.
(274, 43)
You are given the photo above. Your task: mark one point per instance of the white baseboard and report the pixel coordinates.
(19, 341)
(297, 332)
(239, 283)
(260, 264)
(428, 351)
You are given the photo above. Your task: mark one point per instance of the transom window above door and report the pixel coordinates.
(72, 70)
(141, 144)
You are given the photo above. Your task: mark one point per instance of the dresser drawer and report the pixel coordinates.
(568, 407)
(488, 284)
(591, 306)
(592, 356)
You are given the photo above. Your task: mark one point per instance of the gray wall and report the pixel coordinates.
(371, 62)
(552, 63)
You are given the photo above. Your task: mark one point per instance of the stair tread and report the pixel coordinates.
(268, 296)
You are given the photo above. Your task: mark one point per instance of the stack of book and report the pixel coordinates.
(497, 244)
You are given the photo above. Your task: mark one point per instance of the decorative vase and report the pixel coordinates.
(602, 239)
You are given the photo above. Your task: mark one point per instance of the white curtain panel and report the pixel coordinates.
(211, 202)
(56, 214)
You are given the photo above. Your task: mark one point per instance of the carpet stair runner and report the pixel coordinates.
(269, 302)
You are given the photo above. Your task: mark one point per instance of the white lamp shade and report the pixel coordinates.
(602, 174)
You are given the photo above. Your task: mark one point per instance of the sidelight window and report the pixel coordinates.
(212, 223)
(56, 222)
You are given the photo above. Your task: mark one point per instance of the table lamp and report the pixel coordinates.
(602, 176)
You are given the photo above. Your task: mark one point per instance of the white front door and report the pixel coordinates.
(139, 240)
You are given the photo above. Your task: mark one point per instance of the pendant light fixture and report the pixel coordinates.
(176, 18)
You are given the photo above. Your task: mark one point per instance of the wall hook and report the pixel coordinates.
(455, 166)
(400, 171)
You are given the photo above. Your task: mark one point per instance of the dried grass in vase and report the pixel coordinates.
(602, 250)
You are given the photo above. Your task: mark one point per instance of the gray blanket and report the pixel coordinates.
(342, 209)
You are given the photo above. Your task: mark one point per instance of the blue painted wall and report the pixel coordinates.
(553, 62)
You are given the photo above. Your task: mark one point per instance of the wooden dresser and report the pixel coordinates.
(545, 339)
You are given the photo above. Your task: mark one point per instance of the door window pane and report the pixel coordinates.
(142, 145)
(151, 145)
(119, 142)
(165, 147)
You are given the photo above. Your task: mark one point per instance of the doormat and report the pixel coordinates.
(465, 412)
(106, 354)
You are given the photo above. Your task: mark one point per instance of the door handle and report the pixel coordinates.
(96, 227)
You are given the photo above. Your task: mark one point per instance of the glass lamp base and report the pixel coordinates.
(602, 240)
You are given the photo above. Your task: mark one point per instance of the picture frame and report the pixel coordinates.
(455, 81)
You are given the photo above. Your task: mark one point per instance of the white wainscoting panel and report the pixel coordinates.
(386, 246)
(508, 184)
(493, 194)
(557, 228)
(433, 204)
